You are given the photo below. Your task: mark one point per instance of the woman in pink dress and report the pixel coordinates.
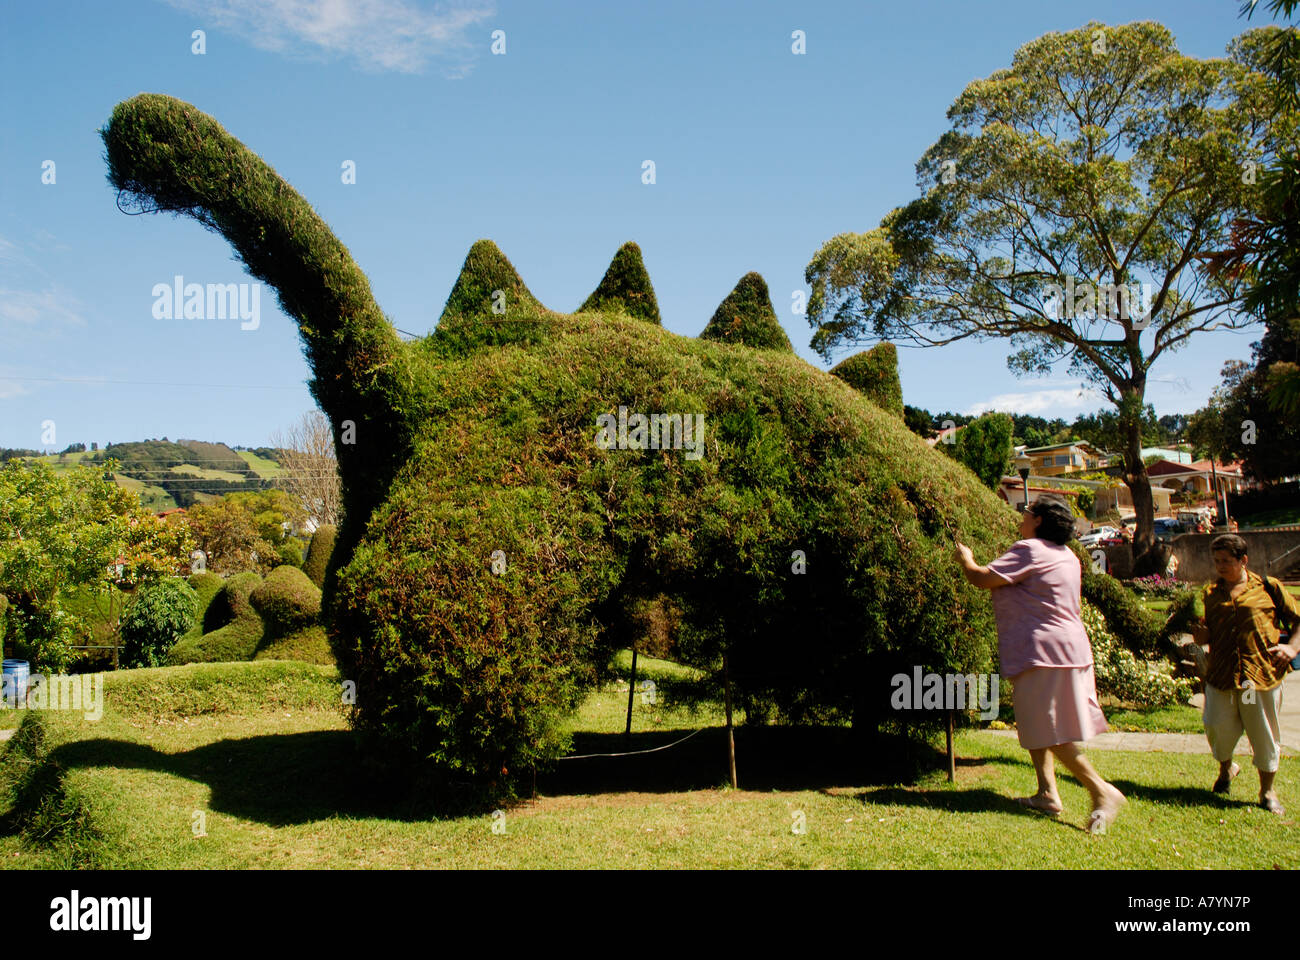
(1044, 650)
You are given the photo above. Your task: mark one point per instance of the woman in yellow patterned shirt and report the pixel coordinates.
(1247, 663)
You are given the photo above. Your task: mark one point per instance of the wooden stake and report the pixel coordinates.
(731, 738)
(952, 757)
(631, 693)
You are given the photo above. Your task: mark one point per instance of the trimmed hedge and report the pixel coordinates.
(489, 542)
(746, 318)
(159, 615)
(309, 645)
(287, 601)
(874, 373)
(626, 286)
(318, 554)
(239, 631)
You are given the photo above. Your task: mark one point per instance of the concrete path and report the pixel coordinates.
(1289, 720)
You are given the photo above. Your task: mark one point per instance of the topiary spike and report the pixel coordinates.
(874, 373)
(486, 271)
(746, 318)
(626, 285)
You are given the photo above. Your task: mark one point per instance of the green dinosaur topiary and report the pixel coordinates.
(520, 476)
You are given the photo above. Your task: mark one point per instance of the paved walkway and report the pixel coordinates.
(1195, 742)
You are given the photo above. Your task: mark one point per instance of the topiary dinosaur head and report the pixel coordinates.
(519, 478)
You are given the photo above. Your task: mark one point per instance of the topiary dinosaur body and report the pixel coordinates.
(491, 536)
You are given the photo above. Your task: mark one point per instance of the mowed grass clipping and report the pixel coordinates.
(250, 765)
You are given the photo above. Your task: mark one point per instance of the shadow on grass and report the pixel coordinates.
(767, 758)
(287, 779)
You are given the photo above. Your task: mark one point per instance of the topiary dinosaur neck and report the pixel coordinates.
(165, 154)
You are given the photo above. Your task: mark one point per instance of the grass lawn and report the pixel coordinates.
(261, 466)
(259, 756)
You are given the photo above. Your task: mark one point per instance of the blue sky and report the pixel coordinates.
(761, 156)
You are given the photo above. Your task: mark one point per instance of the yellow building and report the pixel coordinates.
(1061, 458)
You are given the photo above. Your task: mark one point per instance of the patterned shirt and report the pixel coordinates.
(1242, 630)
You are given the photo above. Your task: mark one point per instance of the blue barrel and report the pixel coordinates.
(14, 680)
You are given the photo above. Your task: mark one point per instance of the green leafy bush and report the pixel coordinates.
(626, 287)
(286, 601)
(1125, 677)
(159, 615)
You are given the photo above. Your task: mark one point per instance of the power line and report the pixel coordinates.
(154, 383)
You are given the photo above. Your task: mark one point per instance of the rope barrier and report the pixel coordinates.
(633, 753)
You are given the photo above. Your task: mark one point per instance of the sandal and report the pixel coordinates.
(1033, 803)
(1224, 783)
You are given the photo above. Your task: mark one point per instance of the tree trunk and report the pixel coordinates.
(1146, 559)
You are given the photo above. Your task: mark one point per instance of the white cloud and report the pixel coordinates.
(48, 309)
(11, 388)
(397, 35)
(1054, 400)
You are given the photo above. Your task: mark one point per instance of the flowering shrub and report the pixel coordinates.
(1160, 586)
(1123, 676)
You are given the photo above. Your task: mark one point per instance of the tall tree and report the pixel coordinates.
(310, 468)
(1103, 161)
(984, 445)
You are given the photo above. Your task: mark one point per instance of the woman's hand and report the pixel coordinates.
(964, 555)
(1284, 653)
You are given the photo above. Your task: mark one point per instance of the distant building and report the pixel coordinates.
(1167, 453)
(1196, 478)
(1061, 458)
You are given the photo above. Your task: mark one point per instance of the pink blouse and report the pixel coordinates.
(1038, 617)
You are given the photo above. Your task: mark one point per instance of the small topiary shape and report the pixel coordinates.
(626, 286)
(318, 554)
(746, 318)
(874, 373)
(487, 280)
(287, 601)
(240, 627)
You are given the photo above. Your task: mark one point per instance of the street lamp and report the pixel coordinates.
(1023, 464)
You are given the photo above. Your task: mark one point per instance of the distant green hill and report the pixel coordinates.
(168, 475)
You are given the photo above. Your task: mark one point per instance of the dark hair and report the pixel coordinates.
(1229, 543)
(1056, 520)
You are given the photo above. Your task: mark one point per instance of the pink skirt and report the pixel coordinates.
(1056, 705)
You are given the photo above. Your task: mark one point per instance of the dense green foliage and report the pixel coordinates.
(490, 542)
(746, 318)
(874, 373)
(318, 554)
(1099, 160)
(625, 287)
(289, 604)
(232, 626)
(69, 533)
(1136, 629)
(984, 445)
(159, 615)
